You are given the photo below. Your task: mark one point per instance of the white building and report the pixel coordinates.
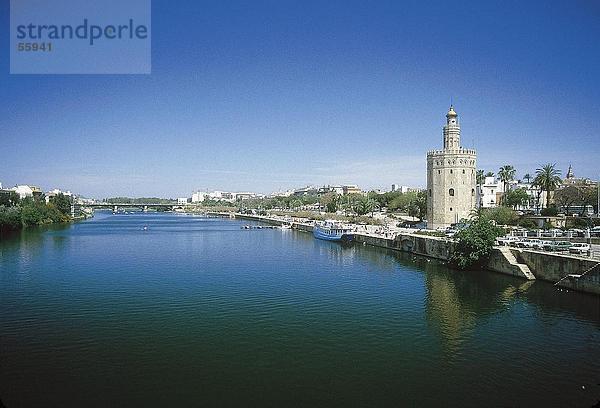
(401, 189)
(245, 196)
(490, 192)
(283, 193)
(26, 191)
(182, 201)
(451, 178)
(199, 197)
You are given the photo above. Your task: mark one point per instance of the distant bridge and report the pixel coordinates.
(144, 207)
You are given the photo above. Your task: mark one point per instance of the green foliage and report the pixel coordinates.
(31, 212)
(331, 201)
(506, 175)
(10, 218)
(527, 223)
(9, 198)
(480, 176)
(364, 205)
(500, 215)
(412, 203)
(515, 198)
(548, 179)
(549, 212)
(62, 204)
(474, 244)
(577, 222)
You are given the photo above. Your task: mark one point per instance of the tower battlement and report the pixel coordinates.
(460, 150)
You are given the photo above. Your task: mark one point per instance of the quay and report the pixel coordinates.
(565, 271)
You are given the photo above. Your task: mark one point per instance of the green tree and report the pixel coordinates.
(364, 205)
(10, 218)
(569, 196)
(500, 215)
(515, 198)
(418, 207)
(62, 203)
(474, 244)
(331, 201)
(506, 175)
(33, 212)
(527, 177)
(548, 179)
(480, 177)
(9, 198)
(590, 197)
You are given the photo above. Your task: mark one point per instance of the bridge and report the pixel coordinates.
(144, 207)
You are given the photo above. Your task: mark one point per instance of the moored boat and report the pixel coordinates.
(331, 231)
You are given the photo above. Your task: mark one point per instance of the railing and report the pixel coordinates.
(577, 276)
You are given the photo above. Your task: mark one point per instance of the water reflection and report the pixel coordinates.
(447, 313)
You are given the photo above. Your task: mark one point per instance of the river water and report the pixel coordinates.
(197, 311)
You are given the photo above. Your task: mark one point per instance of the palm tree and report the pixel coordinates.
(507, 174)
(489, 174)
(527, 177)
(480, 177)
(548, 179)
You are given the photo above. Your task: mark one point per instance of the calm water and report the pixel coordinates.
(198, 312)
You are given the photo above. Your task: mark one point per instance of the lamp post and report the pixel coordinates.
(589, 235)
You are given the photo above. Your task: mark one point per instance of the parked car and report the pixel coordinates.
(530, 244)
(576, 232)
(505, 241)
(579, 248)
(543, 245)
(558, 246)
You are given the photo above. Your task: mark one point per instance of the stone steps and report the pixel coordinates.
(508, 255)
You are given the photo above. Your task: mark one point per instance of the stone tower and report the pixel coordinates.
(451, 178)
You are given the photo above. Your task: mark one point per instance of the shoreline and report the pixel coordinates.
(564, 271)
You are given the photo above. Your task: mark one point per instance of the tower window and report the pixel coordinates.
(429, 192)
(439, 172)
(451, 192)
(463, 171)
(450, 208)
(450, 171)
(473, 192)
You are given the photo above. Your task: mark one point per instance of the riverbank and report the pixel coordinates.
(565, 271)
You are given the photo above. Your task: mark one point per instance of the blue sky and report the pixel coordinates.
(264, 96)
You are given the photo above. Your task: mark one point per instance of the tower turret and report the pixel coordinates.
(451, 131)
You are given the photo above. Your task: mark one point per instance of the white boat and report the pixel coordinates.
(332, 231)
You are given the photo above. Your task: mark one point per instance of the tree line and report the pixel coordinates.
(411, 203)
(16, 213)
